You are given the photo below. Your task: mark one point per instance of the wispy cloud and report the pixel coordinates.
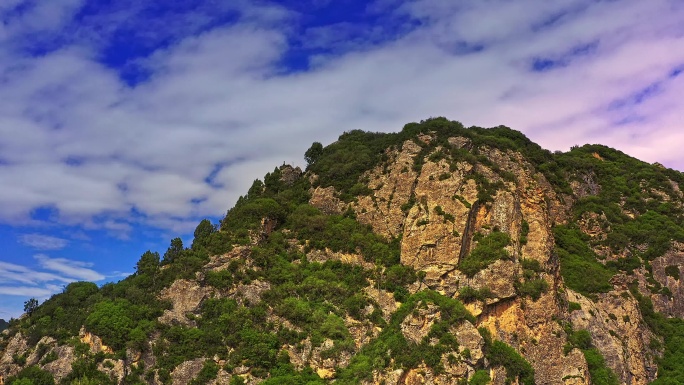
(48, 278)
(43, 242)
(68, 268)
(26, 291)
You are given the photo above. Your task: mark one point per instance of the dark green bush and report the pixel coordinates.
(579, 267)
(31, 375)
(672, 271)
(488, 250)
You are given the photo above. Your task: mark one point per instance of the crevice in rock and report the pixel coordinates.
(517, 214)
(495, 308)
(468, 231)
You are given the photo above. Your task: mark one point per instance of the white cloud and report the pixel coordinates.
(78, 139)
(19, 282)
(70, 269)
(43, 242)
(26, 291)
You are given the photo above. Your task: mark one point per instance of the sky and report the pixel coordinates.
(124, 123)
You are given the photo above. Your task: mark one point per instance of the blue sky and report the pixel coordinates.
(123, 124)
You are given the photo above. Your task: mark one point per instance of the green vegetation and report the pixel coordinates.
(671, 331)
(31, 375)
(3, 324)
(532, 285)
(392, 345)
(501, 354)
(481, 377)
(209, 372)
(637, 186)
(470, 294)
(672, 271)
(341, 233)
(599, 372)
(579, 266)
(489, 249)
(342, 163)
(524, 232)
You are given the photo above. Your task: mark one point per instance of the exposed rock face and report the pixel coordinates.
(186, 371)
(312, 356)
(95, 342)
(672, 261)
(457, 365)
(61, 367)
(17, 346)
(329, 255)
(393, 188)
(437, 230)
(619, 332)
(417, 325)
(325, 200)
(185, 297)
(289, 174)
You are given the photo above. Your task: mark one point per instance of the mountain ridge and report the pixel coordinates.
(438, 254)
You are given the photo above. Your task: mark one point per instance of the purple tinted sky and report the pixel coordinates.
(122, 124)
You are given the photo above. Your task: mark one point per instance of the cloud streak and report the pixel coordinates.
(68, 268)
(48, 277)
(43, 242)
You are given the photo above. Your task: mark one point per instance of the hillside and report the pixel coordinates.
(436, 255)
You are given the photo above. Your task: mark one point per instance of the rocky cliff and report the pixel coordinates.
(436, 255)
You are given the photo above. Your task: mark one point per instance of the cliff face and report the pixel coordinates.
(466, 271)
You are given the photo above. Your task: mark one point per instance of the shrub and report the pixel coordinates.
(31, 375)
(481, 377)
(672, 271)
(533, 288)
(470, 294)
(499, 353)
(579, 267)
(488, 250)
(599, 372)
(572, 306)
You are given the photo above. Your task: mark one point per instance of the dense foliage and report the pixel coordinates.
(501, 354)
(490, 248)
(580, 267)
(392, 347)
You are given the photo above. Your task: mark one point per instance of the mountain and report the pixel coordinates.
(436, 255)
(3, 324)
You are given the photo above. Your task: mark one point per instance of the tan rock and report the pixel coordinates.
(186, 297)
(95, 342)
(672, 306)
(186, 371)
(325, 200)
(618, 331)
(16, 346)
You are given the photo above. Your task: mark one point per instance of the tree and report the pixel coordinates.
(32, 375)
(23, 381)
(313, 153)
(111, 322)
(173, 251)
(30, 306)
(202, 233)
(147, 269)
